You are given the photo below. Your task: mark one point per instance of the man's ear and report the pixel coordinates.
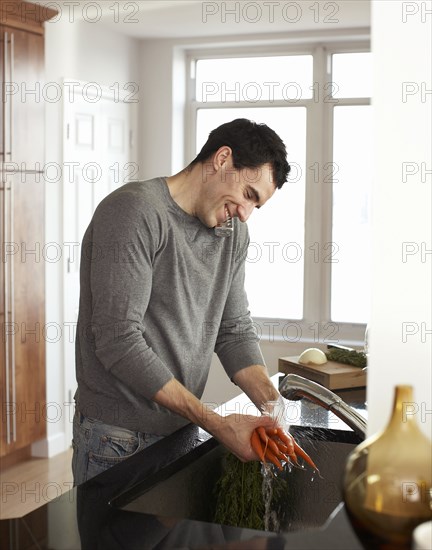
(222, 155)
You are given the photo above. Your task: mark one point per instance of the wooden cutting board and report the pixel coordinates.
(332, 375)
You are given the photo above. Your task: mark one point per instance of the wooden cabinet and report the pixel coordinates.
(22, 198)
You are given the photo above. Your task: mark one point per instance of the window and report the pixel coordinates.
(308, 261)
(252, 79)
(272, 256)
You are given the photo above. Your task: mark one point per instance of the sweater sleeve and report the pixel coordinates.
(237, 344)
(122, 247)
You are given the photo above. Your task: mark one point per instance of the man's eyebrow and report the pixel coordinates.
(255, 194)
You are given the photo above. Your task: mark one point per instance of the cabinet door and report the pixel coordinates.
(24, 97)
(23, 384)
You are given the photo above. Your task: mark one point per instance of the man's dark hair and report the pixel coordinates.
(252, 145)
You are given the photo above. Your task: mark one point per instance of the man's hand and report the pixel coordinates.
(233, 431)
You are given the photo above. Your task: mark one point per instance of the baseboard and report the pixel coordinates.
(50, 446)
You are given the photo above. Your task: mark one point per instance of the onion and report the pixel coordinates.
(313, 355)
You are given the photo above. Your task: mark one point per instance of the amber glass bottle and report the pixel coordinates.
(388, 479)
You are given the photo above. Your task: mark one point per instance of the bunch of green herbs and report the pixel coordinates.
(348, 357)
(239, 493)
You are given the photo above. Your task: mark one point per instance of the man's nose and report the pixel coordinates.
(244, 211)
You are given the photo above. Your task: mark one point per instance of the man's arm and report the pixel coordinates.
(233, 431)
(256, 384)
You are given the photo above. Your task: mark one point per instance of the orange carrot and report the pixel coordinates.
(285, 451)
(281, 445)
(281, 456)
(273, 459)
(262, 433)
(257, 446)
(303, 454)
(273, 446)
(293, 459)
(264, 437)
(287, 439)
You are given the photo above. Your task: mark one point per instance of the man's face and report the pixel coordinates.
(230, 192)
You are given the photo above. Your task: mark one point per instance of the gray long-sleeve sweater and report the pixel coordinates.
(160, 292)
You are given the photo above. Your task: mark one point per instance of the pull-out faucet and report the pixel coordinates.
(294, 387)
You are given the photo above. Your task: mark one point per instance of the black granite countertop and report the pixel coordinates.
(88, 516)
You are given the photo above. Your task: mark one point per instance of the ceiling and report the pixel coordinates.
(197, 18)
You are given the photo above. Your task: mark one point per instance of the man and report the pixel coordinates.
(162, 288)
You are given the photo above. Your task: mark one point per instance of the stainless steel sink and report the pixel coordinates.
(186, 489)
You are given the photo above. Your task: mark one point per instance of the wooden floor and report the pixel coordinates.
(32, 483)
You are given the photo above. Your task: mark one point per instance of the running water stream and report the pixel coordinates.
(276, 410)
(271, 521)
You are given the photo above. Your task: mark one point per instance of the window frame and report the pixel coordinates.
(316, 325)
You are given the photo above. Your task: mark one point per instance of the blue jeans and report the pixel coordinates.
(98, 446)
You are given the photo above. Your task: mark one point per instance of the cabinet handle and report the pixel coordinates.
(9, 306)
(12, 71)
(6, 298)
(5, 40)
(8, 55)
(12, 315)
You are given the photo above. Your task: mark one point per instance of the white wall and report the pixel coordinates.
(86, 52)
(156, 107)
(401, 292)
